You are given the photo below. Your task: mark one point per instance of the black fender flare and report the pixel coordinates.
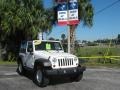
(19, 59)
(42, 63)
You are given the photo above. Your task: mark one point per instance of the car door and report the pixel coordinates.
(22, 52)
(29, 55)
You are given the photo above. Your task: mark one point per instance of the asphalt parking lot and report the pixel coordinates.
(94, 79)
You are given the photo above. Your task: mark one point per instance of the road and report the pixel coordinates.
(94, 79)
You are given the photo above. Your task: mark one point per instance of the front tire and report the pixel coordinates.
(40, 79)
(77, 78)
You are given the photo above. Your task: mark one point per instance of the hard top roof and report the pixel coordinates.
(47, 40)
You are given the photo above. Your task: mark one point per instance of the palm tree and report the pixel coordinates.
(28, 16)
(85, 13)
(22, 20)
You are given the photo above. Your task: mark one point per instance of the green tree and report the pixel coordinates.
(51, 38)
(118, 38)
(86, 13)
(85, 10)
(26, 15)
(63, 37)
(22, 20)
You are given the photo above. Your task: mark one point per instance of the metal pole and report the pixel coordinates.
(68, 28)
(69, 39)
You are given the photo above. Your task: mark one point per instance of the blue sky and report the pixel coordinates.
(105, 25)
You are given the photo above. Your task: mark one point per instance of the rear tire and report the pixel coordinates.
(21, 69)
(40, 79)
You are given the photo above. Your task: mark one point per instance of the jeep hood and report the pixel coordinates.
(47, 54)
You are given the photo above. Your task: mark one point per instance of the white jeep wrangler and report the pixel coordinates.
(47, 58)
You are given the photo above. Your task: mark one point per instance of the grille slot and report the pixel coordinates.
(65, 62)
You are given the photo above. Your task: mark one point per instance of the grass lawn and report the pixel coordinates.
(89, 51)
(97, 51)
(7, 63)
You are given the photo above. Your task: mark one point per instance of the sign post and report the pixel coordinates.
(68, 27)
(68, 15)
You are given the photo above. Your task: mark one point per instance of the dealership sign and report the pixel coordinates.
(68, 12)
(73, 12)
(62, 14)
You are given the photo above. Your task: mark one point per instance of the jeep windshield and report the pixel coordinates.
(48, 46)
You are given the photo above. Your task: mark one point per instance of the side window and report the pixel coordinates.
(23, 47)
(30, 47)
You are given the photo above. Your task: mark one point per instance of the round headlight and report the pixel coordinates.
(54, 60)
(75, 59)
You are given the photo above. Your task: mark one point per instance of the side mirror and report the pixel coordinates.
(31, 53)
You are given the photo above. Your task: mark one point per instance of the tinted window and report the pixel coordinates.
(30, 47)
(23, 47)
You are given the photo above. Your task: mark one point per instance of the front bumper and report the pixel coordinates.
(68, 71)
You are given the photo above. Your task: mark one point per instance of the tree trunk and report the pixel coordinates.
(72, 38)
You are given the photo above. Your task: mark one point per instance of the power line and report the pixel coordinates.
(107, 7)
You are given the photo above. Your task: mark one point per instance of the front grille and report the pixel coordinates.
(65, 62)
